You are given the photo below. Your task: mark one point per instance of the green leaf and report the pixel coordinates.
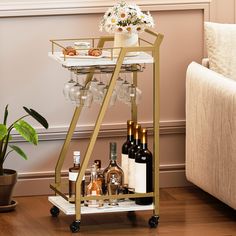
(5, 115)
(37, 117)
(26, 131)
(19, 151)
(3, 131)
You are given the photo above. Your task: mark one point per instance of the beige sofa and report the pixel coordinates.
(211, 132)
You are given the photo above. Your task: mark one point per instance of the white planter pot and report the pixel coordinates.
(125, 40)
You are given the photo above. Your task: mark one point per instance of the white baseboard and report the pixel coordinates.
(38, 183)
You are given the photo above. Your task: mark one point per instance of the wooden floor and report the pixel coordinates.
(183, 212)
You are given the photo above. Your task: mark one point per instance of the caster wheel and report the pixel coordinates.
(153, 221)
(131, 215)
(54, 211)
(75, 226)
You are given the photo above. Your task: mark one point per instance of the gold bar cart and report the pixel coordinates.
(149, 53)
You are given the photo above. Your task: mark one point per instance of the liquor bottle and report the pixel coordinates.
(73, 174)
(93, 189)
(100, 176)
(113, 171)
(132, 151)
(143, 171)
(125, 150)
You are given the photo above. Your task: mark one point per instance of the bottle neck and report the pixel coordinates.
(130, 138)
(93, 176)
(144, 146)
(76, 164)
(144, 139)
(113, 162)
(76, 161)
(137, 142)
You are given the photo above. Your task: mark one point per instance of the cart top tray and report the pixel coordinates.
(69, 208)
(142, 57)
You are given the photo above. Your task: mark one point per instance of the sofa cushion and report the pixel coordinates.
(221, 48)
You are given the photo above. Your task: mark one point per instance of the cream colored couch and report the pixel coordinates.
(211, 132)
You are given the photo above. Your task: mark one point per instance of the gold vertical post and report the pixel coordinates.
(156, 118)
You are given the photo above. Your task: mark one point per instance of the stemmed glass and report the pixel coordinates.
(93, 85)
(68, 85)
(98, 92)
(74, 92)
(123, 91)
(86, 97)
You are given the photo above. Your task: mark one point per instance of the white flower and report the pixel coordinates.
(124, 17)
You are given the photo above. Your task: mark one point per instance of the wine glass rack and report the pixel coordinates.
(147, 53)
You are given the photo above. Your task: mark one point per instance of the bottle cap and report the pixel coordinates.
(98, 163)
(76, 157)
(76, 153)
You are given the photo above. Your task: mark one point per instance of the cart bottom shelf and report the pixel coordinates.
(69, 208)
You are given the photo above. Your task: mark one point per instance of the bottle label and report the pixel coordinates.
(125, 167)
(131, 165)
(73, 176)
(140, 177)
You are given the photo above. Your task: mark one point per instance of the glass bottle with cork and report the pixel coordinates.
(93, 189)
(113, 174)
(73, 174)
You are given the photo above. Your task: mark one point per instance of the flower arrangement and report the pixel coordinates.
(123, 18)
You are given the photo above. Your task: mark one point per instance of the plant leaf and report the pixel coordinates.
(26, 131)
(5, 115)
(19, 151)
(37, 117)
(3, 131)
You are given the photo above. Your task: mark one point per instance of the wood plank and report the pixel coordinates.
(183, 211)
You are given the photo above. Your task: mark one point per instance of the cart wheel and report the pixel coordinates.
(131, 215)
(153, 221)
(75, 226)
(54, 211)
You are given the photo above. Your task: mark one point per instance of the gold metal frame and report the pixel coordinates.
(154, 48)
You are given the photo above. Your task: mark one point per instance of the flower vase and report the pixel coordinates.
(125, 40)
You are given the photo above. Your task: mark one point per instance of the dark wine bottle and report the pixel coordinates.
(132, 152)
(125, 150)
(143, 171)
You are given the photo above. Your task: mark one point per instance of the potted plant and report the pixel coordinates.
(8, 177)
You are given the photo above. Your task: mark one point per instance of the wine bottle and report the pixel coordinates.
(113, 170)
(132, 151)
(143, 171)
(93, 189)
(125, 150)
(73, 174)
(114, 176)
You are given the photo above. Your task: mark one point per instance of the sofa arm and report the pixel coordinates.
(211, 132)
(205, 62)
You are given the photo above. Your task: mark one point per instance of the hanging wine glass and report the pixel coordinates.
(138, 95)
(74, 92)
(131, 94)
(86, 97)
(97, 96)
(93, 85)
(68, 85)
(119, 82)
(123, 91)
